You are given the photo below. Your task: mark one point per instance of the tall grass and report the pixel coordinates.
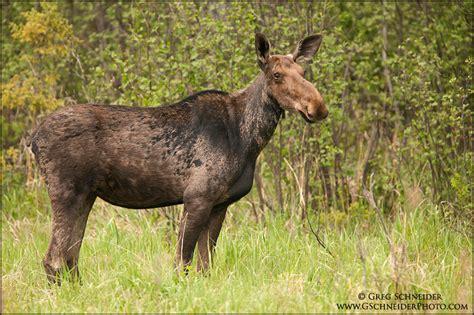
(272, 266)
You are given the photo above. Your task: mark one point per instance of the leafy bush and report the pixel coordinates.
(396, 78)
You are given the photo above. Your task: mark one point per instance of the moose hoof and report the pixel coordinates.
(52, 273)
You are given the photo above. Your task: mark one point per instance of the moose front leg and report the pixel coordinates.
(192, 223)
(208, 237)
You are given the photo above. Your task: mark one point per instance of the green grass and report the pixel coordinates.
(273, 266)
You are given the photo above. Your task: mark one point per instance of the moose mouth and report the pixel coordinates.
(306, 117)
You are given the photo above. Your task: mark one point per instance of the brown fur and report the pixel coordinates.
(200, 152)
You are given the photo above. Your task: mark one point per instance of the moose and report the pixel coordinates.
(200, 152)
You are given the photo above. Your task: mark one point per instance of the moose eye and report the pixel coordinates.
(277, 76)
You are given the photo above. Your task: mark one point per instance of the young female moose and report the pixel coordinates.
(200, 152)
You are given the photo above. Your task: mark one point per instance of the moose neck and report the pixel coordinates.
(260, 116)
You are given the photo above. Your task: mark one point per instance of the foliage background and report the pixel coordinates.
(397, 78)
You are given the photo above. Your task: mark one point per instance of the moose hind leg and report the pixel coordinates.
(70, 215)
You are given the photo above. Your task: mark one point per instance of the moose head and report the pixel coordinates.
(285, 77)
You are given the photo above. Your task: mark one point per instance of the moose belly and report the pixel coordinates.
(139, 190)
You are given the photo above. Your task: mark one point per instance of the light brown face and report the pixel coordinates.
(286, 81)
(288, 86)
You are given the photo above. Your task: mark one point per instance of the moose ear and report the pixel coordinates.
(262, 48)
(307, 48)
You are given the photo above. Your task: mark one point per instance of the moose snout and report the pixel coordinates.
(318, 110)
(319, 114)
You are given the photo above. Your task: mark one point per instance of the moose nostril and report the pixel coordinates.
(324, 114)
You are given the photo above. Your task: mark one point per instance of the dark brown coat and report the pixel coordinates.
(200, 151)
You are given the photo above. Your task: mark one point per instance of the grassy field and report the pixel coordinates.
(272, 266)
